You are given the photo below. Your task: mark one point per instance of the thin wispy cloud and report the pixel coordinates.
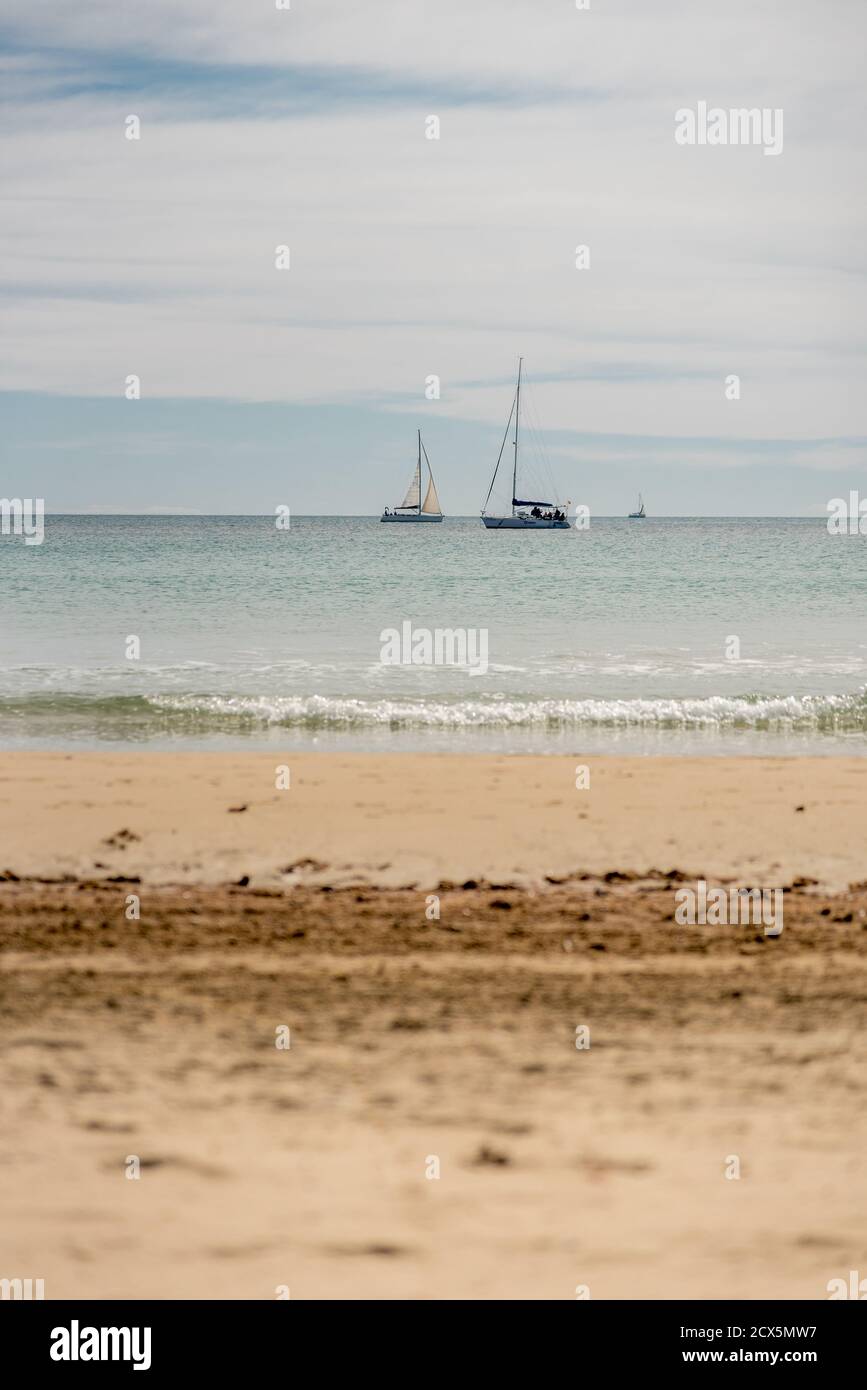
(226, 90)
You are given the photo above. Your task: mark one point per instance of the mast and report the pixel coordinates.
(517, 423)
(419, 472)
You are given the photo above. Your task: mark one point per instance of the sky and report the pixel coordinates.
(411, 257)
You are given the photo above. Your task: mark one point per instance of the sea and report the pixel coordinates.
(662, 636)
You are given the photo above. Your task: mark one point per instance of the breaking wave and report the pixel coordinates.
(203, 713)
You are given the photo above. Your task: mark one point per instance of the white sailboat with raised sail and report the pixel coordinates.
(412, 508)
(641, 513)
(524, 515)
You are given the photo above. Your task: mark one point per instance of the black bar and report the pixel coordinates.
(229, 1337)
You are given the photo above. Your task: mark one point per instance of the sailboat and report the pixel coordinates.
(412, 508)
(525, 515)
(641, 513)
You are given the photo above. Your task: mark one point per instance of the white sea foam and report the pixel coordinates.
(839, 712)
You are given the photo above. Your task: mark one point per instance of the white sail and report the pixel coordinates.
(431, 502)
(414, 489)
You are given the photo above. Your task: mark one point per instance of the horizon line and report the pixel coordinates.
(453, 516)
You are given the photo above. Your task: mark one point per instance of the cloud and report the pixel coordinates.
(412, 257)
(623, 47)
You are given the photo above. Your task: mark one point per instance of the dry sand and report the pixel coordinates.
(408, 820)
(415, 1038)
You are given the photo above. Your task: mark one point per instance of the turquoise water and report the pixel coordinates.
(609, 639)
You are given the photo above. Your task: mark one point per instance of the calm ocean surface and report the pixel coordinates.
(611, 639)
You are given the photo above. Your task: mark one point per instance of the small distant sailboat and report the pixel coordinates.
(541, 516)
(641, 513)
(412, 508)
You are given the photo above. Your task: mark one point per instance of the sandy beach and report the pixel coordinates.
(398, 820)
(425, 1044)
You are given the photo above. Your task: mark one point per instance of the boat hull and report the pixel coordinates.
(415, 517)
(523, 523)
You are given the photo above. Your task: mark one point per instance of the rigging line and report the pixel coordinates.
(537, 435)
(531, 424)
(542, 467)
(500, 455)
(537, 432)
